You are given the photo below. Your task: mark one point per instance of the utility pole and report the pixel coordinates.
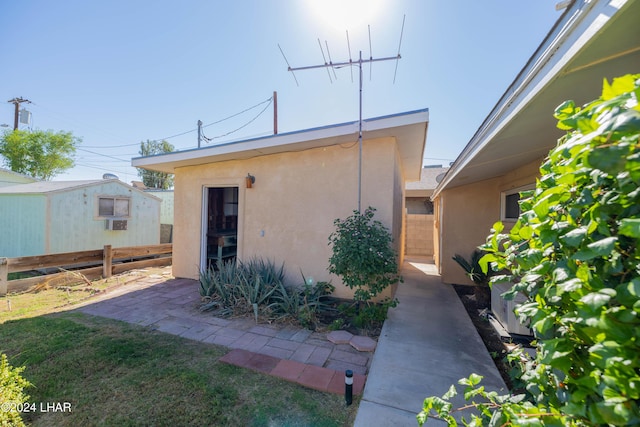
(17, 102)
(351, 63)
(199, 132)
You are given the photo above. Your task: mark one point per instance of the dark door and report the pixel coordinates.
(222, 224)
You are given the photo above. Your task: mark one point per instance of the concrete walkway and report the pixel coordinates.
(427, 344)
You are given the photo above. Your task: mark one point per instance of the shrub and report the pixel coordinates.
(575, 252)
(363, 255)
(234, 287)
(12, 386)
(302, 303)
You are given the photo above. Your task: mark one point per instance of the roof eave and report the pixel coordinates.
(565, 40)
(414, 123)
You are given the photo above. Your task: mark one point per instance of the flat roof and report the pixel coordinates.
(409, 129)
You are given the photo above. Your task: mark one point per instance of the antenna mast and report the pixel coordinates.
(350, 63)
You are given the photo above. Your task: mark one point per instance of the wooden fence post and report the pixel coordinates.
(4, 276)
(107, 260)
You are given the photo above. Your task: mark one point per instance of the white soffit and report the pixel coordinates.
(578, 52)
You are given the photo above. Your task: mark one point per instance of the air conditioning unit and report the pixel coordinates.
(116, 224)
(503, 309)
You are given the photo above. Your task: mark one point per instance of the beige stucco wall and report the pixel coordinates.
(465, 214)
(288, 214)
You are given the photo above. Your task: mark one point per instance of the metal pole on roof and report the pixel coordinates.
(351, 63)
(275, 112)
(360, 138)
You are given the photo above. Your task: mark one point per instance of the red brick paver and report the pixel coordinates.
(315, 377)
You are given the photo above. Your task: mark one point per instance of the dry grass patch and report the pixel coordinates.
(66, 293)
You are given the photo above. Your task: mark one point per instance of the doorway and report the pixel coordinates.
(221, 225)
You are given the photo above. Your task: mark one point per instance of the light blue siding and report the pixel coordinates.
(22, 224)
(74, 224)
(66, 220)
(166, 208)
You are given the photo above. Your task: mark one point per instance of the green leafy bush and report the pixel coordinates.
(363, 255)
(12, 386)
(575, 252)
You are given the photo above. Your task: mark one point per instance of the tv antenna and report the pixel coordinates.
(332, 66)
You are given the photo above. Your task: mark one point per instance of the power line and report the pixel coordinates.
(104, 155)
(243, 111)
(244, 125)
(268, 101)
(219, 121)
(112, 146)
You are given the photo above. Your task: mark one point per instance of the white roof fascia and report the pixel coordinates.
(582, 21)
(248, 145)
(314, 137)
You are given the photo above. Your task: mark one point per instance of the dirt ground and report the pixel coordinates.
(496, 347)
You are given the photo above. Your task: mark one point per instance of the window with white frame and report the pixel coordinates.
(113, 207)
(510, 202)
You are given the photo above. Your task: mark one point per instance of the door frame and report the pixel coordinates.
(204, 217)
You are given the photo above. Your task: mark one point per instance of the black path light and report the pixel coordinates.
(348, 386)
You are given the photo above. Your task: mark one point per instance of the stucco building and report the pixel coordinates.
(277, 197)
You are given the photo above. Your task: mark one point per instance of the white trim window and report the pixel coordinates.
(510, 202)
(113, 207)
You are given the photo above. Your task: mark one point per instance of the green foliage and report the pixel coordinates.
(373, 315)
(39, 154)
(302, 303)
(473, 269)
(12, 386)
(258, 286)
(363, 255)
(575, 253)
(155, 179)
(238, 288)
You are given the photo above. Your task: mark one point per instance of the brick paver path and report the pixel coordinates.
(172, 306)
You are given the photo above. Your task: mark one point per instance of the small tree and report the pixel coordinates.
(40, 154)
(363, 255)
(154, 179)
(575, 252)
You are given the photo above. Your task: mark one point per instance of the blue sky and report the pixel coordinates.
(118, 72)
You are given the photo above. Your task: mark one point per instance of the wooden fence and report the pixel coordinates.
(91, 264)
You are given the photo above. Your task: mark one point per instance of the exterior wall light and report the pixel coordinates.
(250, 180)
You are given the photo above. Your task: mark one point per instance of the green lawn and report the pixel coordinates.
(117, 374)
